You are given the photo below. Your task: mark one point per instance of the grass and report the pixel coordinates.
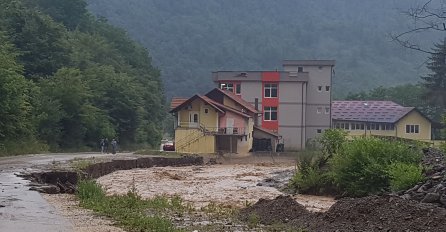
(81, 164)
(130, 211)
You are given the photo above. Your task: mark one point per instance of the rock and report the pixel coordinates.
(259, 184)
(437, 177)
(406, 196)
(431, 198)
(443, 199)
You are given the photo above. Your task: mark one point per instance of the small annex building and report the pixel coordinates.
(381, 118)
(218, 121)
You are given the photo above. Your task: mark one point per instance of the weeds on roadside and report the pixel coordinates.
(129, 211)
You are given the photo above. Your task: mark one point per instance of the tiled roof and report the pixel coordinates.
(227, 108)
(369, 111)
(237, 99)
(176, 101)
(204, 98)
(266, 131)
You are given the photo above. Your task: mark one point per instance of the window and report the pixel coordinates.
(387, 126)
(206, 110)
(320, 67)
(270, 113)
(373, 126)
(342, 125)
(300, 69)
(357, 126)
(327, 88)
(319, 88)
(319, 131)
(227, 86)
(327, 110)
(412, 129)
(319, 110)
(270, 90)
(238, 88)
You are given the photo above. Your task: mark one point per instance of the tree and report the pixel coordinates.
(15, 107)
(435, 81)
(428, 18)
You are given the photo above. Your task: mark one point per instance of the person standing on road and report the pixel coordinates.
(114, 146)
(102, 145)
(106, 145)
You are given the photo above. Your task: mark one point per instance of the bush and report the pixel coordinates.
(404, 176)
(310, 178)
(361, 166)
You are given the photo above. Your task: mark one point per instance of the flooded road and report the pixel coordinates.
(25, 210)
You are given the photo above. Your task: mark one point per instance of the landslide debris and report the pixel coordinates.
(373, 213)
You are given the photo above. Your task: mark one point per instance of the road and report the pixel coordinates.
(25, 210)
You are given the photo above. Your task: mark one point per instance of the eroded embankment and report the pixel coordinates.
(54, 182)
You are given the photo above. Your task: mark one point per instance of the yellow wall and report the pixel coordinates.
(207, 120)
(414, 118)
(229, 102)
(355, 133)
(204, 143)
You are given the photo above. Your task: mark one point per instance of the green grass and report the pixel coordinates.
(131, 211)
(81, 164)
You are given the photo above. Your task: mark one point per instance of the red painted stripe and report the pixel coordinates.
(270, 77)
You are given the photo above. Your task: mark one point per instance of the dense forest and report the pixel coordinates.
(68, 79)
(189, 39)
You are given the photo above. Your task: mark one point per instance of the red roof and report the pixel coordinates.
(204, 98)
(176, 101)
(221, 106)
(369, 111)
(237, 99)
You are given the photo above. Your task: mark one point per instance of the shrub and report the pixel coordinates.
(332, 140)
(360, 167)
(404, 176)
(310, 178)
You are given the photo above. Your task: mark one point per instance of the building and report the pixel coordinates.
(219, 121)
(294, 103)
(381, 118)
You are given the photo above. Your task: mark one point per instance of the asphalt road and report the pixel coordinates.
(25, 210)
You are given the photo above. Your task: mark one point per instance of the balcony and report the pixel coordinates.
(213, 130)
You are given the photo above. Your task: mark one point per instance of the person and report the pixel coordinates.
(102, 145)
(114, 146)
(106, 145)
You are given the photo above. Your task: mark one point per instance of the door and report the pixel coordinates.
(229, 126)
(193, 119)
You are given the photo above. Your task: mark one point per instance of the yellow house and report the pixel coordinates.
(216, 122)
(381, 118)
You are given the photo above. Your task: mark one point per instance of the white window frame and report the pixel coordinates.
(319, 131)
(413, 128)
(327, 88)
(227, 86)
(319, 88)
(327, 110)
(319, 110)
(270, 87)
(269, 110)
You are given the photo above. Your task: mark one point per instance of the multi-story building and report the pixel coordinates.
(295, 103)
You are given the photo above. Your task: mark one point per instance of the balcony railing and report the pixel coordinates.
(214, 130)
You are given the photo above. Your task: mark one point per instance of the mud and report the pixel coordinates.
(54, 182)
(374, 213)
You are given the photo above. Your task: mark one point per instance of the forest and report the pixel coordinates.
(190, 39)
(68, 79)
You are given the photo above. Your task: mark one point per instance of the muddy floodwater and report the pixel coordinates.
(236, 185)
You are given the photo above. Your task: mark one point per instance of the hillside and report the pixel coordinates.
(189, 39)
(68, 79)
